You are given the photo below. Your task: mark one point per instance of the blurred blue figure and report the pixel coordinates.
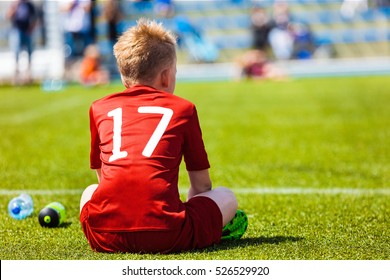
(191, 38)
(77, 32)
(77, 26)
(303, 41)
(23, 17)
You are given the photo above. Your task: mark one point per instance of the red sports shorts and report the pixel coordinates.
(202, 228)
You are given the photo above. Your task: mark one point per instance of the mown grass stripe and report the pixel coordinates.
(259, 190)
(42, 111)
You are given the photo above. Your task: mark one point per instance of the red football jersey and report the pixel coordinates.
(138, 138)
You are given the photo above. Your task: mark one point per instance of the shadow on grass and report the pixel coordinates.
(253, 241)
(65, 225)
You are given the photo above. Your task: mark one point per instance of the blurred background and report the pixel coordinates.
(220, 39)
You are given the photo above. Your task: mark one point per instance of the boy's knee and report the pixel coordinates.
(228, 195)
(87, 194)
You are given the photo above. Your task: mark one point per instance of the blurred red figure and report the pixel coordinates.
(91, 72)
(254, 65)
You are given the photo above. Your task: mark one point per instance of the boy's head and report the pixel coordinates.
(145, 54)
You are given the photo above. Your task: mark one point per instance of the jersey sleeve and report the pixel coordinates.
(195, 155)
(95, 161)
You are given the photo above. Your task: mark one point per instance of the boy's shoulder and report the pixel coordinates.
(142, 93)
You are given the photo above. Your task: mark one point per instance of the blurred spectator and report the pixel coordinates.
(350, 8)
(23, 17)
(281, 37)
(77, 26)
(254, 65)
(303, 44)
(382, 3)
(164, 8)
(91, 71)
(112, 14)
(42, 24)
(261, 26)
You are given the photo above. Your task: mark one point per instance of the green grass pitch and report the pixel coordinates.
(309, 160)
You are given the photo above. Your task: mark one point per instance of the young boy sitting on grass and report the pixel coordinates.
(138, 138)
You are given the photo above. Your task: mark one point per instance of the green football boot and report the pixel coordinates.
(236, 227)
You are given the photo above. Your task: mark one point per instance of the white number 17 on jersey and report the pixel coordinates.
(154, 139)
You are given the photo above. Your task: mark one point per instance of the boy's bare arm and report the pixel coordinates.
(200, 182)
(99, 174)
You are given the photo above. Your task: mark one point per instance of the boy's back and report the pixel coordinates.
(138, 139)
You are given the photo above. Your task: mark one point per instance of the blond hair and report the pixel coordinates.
(144, 50)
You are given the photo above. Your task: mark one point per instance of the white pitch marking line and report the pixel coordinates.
(301, 190)
(42, 192)
(256, 190)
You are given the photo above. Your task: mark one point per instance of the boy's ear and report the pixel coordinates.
(164, 76)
